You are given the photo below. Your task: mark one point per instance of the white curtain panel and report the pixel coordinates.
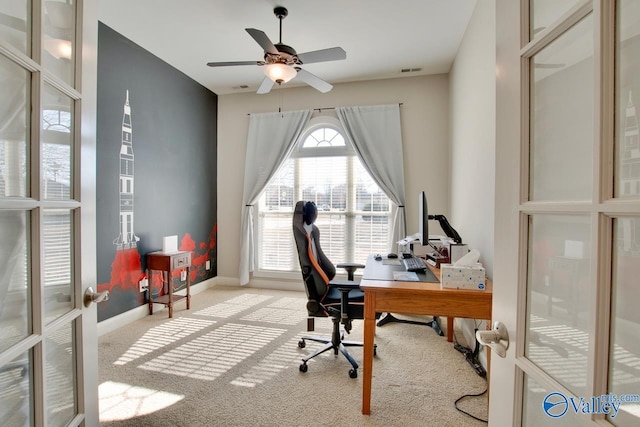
(271, 139)
(376, 136)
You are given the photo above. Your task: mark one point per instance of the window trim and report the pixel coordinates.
(319, 123)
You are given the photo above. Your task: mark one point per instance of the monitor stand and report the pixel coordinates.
(434, 324)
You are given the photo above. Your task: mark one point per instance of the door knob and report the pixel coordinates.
(496, 339)
(92, 296)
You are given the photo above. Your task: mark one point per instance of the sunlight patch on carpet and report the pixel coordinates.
(233, 306)
(120, 401)
(290, 303)
(280, 316)
(162, 336)
(214, 353)
(272, 365)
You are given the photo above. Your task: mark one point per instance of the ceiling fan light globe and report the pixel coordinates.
(279, 73)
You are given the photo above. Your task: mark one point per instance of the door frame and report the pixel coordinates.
(87, 70)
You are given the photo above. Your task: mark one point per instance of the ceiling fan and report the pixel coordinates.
(282, 63)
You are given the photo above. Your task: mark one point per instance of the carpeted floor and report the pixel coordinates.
(232, 360)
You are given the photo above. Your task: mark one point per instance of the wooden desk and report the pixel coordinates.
(167, 263)
(390, 296)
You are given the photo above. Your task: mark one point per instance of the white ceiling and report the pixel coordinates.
(380, 37)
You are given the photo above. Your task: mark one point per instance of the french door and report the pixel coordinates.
(48, 344)
(568, 241)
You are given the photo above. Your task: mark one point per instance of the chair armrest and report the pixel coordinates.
(344, 284)
(350, 267)
(344, 287)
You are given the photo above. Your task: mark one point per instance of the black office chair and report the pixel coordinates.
(340, 300)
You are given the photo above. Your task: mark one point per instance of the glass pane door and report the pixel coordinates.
(43, 322)
(624, 347)
(580, 355)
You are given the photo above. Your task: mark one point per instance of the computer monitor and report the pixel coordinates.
(423, 219)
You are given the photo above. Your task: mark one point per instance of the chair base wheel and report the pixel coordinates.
(304, 367)
(302, 344)
(353, 373)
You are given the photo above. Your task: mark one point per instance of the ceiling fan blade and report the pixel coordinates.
(314, 81)
(330, 54)
(263, 40)
(266, 86)
(230, 63)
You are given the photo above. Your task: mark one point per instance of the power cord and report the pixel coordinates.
(455, 404)
(471, 357)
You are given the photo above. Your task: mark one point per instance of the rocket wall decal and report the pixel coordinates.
(127, 238)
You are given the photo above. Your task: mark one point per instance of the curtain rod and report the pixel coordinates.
(333, 108)
(320, 109)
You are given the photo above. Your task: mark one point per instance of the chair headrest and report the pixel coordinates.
(309, 213)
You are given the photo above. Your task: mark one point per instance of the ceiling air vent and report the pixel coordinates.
(240, 87)
(410, 70)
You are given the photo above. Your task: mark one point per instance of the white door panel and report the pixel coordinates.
(48, 344)
(568, 241)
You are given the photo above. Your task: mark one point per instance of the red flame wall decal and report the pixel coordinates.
(126, 268)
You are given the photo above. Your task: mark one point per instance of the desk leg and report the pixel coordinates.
(450, 328)
(369, 332)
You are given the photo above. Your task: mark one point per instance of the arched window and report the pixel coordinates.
(353, 213)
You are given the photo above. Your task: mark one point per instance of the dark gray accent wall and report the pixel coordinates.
(174, 142)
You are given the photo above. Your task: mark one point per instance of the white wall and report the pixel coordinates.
(473, 134)
(473, 142)
(425, 130)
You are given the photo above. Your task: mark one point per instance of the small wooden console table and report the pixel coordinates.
(167, 263)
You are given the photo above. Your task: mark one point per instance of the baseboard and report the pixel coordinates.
(227, 281)
(263, 282)
(123, 319)
(281, 285)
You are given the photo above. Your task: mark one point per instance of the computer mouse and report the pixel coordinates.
(378, 257)
(392, 255)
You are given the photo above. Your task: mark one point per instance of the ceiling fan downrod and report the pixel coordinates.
(281, 13)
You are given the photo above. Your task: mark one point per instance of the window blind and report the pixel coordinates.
(353, 213)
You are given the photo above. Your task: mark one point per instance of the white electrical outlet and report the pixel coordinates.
(144, 284)
(208, 265)
(183, 275)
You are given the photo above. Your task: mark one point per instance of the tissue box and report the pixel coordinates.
(463, 277)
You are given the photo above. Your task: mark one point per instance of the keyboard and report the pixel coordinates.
(414, 264)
